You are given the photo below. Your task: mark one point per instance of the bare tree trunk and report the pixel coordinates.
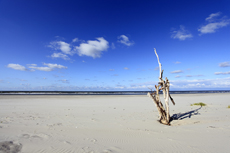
(164, 116)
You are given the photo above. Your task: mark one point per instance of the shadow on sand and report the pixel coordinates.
(181, 116)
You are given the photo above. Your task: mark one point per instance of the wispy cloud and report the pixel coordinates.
(17, 67)
(189, 76)
(60, 55)
(126, 68)
(93, 48)
(177, 71)
(25, 84)
(222, 73)
(177, 62)
(125, 40)
(75, 40)
(202, 83)
(113, 46)
(111, 69)
(212, 16)
(181, 34)
(49, 67)
(64, 81)
(224, 64)
(156, 69)
(214, 23)
(190, 84)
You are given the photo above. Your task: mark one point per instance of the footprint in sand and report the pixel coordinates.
(26, 136)
(66, 142)
(87, 149)
(40, 136)
(93, 140)
(112, 150)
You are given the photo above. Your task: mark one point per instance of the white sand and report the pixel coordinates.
(125, 124)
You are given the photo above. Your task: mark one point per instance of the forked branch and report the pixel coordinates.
(164, 116)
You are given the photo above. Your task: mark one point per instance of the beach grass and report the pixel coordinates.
(199, 104)
(228, 106)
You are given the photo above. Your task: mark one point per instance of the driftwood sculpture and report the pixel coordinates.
(164, 86)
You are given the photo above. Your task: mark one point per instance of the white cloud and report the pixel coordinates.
(17, 67)
(212, 16)
(89, 48)
(61, 45)
(119, 87)
(111, 69)
(31, 64)
(125, 40)
(177, 71)
(213, 23)
(222, 73)
(64, 81)
(191, 84)
(55, 66)
(126, 68)
(212, 27)
(203, 83)
(25, 84)
(224, 64)
(177, 62)
(41, 68)
(178, 76)
(50, 67)
(64, 47)
(181, 34)
(60, 55)
(75, 40)
(156, 69)
(93, 48)
(113, 46)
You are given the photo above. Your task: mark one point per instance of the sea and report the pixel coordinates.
(105, 92)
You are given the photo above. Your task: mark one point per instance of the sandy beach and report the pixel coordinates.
(113, 124)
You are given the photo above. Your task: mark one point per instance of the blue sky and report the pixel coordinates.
(108, 44)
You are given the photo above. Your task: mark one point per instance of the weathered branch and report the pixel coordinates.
(158, 63)
(164, 86)
(171, 99)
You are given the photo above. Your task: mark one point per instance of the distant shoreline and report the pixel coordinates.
(104, 92)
